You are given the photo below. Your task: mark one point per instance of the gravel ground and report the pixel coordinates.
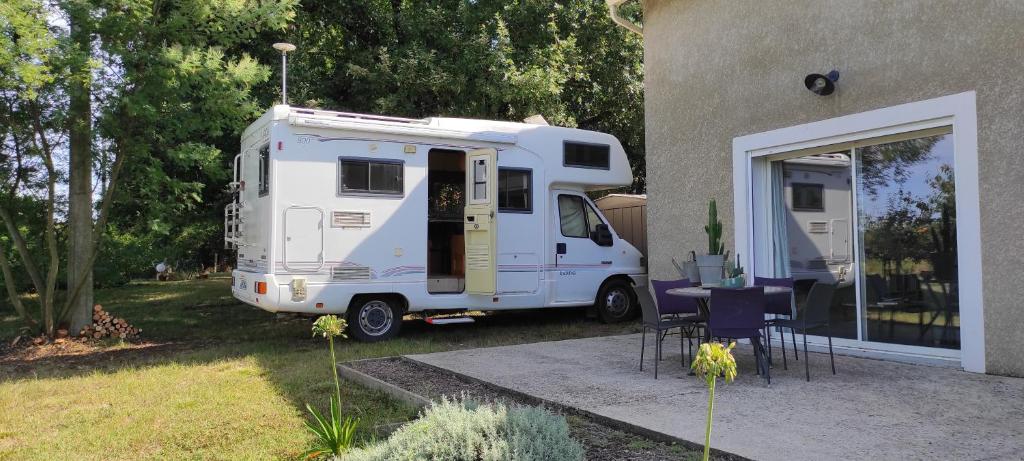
(600, 441)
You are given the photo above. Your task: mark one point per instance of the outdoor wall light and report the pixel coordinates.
(822, 85)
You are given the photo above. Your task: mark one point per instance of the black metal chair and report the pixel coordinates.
(653, 320)
(778, 304)
(814, 315)
(684, 309)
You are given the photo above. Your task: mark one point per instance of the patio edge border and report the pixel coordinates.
(605, 420)
(366, 380)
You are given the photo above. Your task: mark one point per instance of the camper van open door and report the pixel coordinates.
(480, 221)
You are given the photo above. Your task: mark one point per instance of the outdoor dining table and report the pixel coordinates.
(703, 297)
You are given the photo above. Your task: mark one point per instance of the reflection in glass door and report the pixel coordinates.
(879, 222)
(818, 194)
(906, 219)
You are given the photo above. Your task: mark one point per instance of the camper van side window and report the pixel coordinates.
(808, 197)
(264, 185)
(585, 155)
(366, 176)
(572, 216)
(514, 190)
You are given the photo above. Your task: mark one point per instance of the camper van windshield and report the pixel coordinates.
(576, 217)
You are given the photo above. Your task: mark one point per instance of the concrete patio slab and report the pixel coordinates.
(871, 409)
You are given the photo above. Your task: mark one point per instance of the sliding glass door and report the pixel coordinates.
(906, 223)
(878, 220)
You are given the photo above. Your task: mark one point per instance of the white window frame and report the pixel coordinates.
(471, 193)
(750, 175)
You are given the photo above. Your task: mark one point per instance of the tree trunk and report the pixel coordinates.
(12, 291)
(80, 224)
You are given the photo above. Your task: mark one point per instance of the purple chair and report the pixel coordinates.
(668, 304)
(778, 304)
(686, 310)
(738, 313)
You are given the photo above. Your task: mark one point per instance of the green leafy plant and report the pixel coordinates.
(733, 269)
(334, 435)
(714, 230)
(713, 360)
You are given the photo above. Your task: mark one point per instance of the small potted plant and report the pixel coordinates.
(710, 265)
(734, 274)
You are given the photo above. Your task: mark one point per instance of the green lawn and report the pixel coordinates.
(213, 378)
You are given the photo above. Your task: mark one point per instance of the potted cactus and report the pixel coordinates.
(710, 265)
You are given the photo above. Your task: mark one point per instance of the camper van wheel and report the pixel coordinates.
(374, 318)
(616, 301)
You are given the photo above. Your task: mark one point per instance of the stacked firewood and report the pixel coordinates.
(105, 325)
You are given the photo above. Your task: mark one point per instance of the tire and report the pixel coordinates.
(374, 318)
(616, 302)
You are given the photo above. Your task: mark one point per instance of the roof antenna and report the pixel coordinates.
(284, 48)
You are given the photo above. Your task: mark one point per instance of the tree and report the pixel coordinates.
(172, 81)
(188, 100)
(80, 225)
(30, 68)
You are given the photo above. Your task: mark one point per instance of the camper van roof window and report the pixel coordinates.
(365, 176)
(586, 155)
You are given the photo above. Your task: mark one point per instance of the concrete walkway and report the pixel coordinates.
(871, 410)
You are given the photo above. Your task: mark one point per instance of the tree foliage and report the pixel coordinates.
(504, 60)
(170, 85)
(173, 83)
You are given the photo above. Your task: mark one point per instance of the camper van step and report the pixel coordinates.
(448, 320)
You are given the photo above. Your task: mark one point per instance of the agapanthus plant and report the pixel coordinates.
(334, 434)
(713, 360)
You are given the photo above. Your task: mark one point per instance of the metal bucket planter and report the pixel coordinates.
(710, 268)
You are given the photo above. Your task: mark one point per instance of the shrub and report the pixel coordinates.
(464, 430)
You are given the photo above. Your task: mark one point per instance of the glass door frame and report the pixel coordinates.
(956, 113)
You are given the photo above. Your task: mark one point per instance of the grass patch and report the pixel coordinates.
(216, 379)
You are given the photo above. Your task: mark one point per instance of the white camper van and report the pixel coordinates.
(818, 197)
(373, 217)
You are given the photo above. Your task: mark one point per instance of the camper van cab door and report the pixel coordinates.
(480, 221)
(581, 264)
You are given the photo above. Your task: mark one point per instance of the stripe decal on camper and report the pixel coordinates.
(338, 267)
(351, 268)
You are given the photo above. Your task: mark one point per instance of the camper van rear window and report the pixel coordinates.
(264, 188)
(514, 190)
(365, 176)
(585, 155)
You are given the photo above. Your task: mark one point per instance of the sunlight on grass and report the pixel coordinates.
(220, 379)
(226, 409)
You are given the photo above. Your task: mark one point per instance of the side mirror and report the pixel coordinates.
(602, 235)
